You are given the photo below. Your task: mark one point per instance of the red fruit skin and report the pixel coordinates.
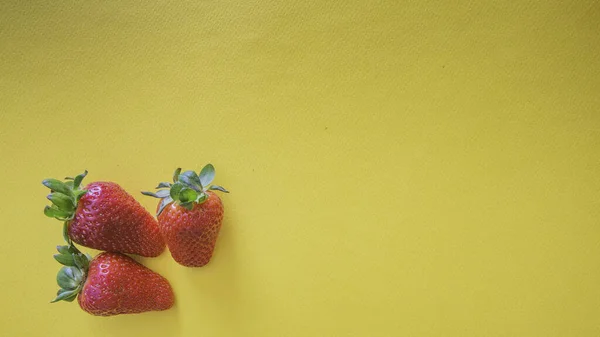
(110, 219)
(191, 235)
(117, 284)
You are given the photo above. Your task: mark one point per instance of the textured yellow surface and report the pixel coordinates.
(397, 168)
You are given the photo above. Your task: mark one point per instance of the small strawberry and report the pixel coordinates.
(103, 216)
(190, 215)
(110, 284)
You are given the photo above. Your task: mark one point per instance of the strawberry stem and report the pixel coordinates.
(64, 197)
(72, 275)
(188, 188)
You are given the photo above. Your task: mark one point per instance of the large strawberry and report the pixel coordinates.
(110, 284)
(103, 216)
(190, 215)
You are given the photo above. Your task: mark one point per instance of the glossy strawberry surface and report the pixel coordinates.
(108, 218)
(191, 235)
(116, 284)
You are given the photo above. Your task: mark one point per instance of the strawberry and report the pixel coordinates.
(190, 215)
(103, 216)
(110, 284)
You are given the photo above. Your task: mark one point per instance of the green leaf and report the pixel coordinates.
(73, 249)
(192, 176)
(174, 192)
(163, 193)
(150, 194)
(77, 274)
(190, 182)
(66, 295)
(207, 175)
(89, 257)
(57, 186)
(61, 201)
(65, 233)
(66, 278)
(166, 201)
(187, 195)
(79, 194)
(159, 194)
(187, 205)
(80, 261)
(72, 297)
(164, 185)
(218, 188)
(78, 179)
(53, 212)
(65, 259)
(63, 249)
(176, 174)
(202, 198)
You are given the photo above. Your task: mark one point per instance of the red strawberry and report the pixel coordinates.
(190, 215)
(105, 217)
(110, 284)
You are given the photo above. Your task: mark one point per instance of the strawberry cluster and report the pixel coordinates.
(103, 216)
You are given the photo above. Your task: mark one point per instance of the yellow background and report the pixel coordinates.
(397, 168)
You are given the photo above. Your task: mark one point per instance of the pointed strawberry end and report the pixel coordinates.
(187, 189)
(71, 276)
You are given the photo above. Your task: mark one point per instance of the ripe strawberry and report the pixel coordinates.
(103, 216)
(190, 215)
(110, 284)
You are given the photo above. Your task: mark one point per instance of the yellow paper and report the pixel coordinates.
(396, 168)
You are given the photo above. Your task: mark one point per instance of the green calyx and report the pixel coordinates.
(188, 188)
(71, 276)
(64, 197)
